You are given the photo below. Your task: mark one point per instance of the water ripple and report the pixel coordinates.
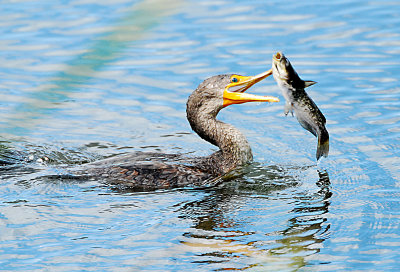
(87, 79)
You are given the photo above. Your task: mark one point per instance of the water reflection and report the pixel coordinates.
(308, 229)
(224, 241)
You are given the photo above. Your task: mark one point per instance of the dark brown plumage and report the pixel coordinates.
(150, 171)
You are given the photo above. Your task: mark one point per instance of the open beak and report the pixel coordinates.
(234, 92)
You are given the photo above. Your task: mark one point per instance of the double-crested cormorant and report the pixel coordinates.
(149, 171)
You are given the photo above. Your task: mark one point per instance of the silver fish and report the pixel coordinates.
(298, 101)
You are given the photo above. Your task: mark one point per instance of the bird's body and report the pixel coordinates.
(149, 171)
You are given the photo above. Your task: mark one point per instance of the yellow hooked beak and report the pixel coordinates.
(234, 91)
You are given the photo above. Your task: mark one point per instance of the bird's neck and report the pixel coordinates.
(234, 147)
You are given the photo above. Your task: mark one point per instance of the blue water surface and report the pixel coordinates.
(82, 80)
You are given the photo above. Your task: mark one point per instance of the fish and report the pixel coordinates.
(299, 102)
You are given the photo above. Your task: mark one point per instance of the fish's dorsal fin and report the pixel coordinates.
(308, 83)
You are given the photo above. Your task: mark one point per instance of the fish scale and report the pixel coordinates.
(298, 101)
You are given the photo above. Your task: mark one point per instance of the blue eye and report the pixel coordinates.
(234, 80)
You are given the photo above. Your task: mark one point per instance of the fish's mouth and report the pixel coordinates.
(234, 91)
(278, 56)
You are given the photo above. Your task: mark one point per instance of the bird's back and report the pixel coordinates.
(148, 171)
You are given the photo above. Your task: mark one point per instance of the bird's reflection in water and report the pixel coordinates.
(229, 235)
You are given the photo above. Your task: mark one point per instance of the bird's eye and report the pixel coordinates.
(234, 79)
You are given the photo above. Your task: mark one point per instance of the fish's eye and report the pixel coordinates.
(234, 79)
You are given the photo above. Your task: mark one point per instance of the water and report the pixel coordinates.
(82, 80)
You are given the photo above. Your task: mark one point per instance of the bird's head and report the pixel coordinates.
(220, 91)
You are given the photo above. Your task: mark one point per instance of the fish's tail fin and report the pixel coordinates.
(323, 144)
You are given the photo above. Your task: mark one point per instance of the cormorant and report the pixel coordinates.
(150, 171)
